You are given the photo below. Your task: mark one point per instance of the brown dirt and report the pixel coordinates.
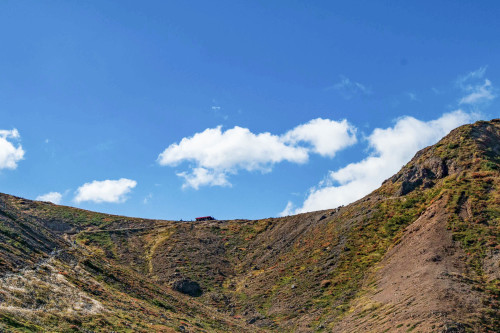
(421, 282)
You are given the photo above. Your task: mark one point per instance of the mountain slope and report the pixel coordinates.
(420, 253)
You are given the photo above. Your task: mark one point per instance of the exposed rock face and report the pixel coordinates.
(424, 174)
(188, 287)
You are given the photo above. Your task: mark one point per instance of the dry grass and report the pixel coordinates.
(45, 289)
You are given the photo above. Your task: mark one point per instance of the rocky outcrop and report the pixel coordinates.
(188, 287)
(423, 173)
(420, 175)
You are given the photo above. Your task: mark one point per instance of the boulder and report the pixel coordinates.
(188, 287)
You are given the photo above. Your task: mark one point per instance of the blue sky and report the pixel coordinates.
(236, 109)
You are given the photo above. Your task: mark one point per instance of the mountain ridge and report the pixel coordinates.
(432, 227)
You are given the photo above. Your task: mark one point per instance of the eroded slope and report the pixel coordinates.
(419, 254)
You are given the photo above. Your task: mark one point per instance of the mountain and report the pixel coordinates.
(421, 253)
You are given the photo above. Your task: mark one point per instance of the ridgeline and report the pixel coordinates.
(421, 253)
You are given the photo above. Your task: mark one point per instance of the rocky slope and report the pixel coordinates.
(419, 254)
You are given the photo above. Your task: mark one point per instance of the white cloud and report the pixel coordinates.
(326, 136)
(13, 134)
(105, 191)
(462, 81)
(9, 153)
(391, 149)
(217, 154)
(54, 197)
(288, 209)
(147, 198)
(477, 91)
(201, 176)
(234, 148)
(349, 88)
(412, 96)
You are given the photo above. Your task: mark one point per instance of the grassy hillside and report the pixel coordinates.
(421, 253)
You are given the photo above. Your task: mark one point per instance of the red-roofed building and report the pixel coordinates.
(205, 218)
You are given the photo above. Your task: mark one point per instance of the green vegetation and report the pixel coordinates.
(100, 241)
(368, 242)
(307, 272)
(475, 223)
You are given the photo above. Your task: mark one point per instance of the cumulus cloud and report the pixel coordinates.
(215, 153)
(325, 136)
(201, 176)
(114, 191)
(10, 154)
(348, 88)
(390, 149)
(476, 90)
(54, 197)
(234, 148)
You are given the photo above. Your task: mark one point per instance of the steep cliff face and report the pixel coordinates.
(420, 253)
